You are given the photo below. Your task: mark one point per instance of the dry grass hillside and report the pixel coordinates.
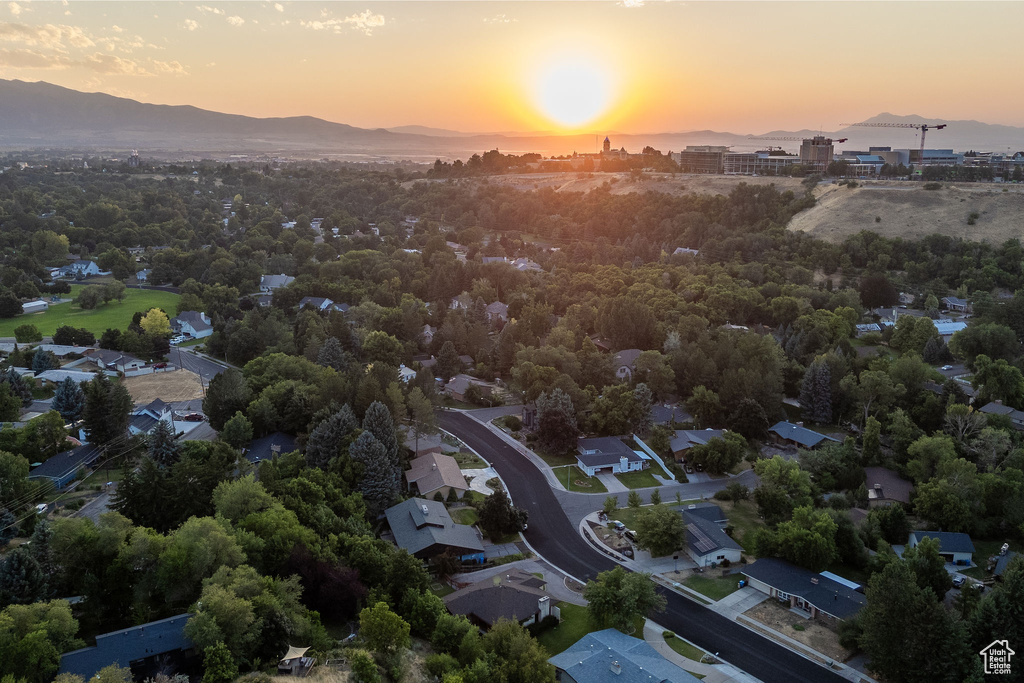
(907, 210)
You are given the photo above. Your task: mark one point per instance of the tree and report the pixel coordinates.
(1000, 611)
(10, 405)
(875, 390)
(998, 380)
(705, 407)
(421, 413)
(14, 483)
(378, 484)
(448, 362)
(642, 404)
(809, 539)
(611, 504)
(653, 369)
(382, 630)
(498, 518)
(929, 567)
(556, 421)
(27, 333)
(22, 580)
(49, 247)
(8, 527)
(68, 400)
(332, 355)
(633, 500)
(107, 407)
(114, 290)
(227, 394)
(515, 656)
(90, 297)
(325, 440)
(749, 419)
(872, 440)
(218, 664)
(237, 431)
(32, 638)
(10, 304)
(43, 360)
(816, 392)
(618, 597)
(719, 454)
(18, 385)
(660, 530)
(73, 336)
(155, 323)
(164, 447)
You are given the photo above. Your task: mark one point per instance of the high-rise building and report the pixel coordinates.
(817, 152)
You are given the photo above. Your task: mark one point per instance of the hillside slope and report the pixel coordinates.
(908, 210)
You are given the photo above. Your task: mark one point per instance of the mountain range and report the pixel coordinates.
(42, 115)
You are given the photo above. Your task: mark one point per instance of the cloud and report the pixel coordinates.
(364, 22)
(113, 65)
(631, 3)
(32, 59)
(236, 20)
(15, 8)
(191, 24)
(46, 35)
(206, 9)
(116, 29)
(174, 67)
(500, 19)
(279, 7)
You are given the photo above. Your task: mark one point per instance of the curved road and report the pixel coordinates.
(554, 537)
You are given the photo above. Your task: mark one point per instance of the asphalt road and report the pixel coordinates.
(186, 360)
(552, 535)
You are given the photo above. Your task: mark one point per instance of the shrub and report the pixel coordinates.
(668, 634)
(27, 333)
(438, 665)
(513, 422)
(878, 219)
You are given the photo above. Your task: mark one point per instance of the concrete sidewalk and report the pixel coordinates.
(710, 673)
(554, 578)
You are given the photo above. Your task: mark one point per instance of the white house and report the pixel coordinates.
(953, 547)
(624, 363)
(707, 544)
(143, 275)
(114, 360)
(37, 306)
(83, 267)
(406, 374)
(608, 454)
(269, 283)
(192, 323)
(318, 302)
(145, 418)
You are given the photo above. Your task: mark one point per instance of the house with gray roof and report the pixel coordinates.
(269, 447)
(954, 547)
(514, 595)
(955, 303)
(61, 469)
(156, 647)
(425, 529)
(610, 656)
(114, 360)
(886, 487)
(496, 312)
(685, 439)
(790, 434)
(624, 362)
(1003, 562)
(997, 408)
(802, 589)
(608, 454)
(707, 544)
(56, 376)
(319, 303)
(194, 324)
(269, 283)
(435, 473)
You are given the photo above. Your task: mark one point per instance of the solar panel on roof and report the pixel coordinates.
(701, 541)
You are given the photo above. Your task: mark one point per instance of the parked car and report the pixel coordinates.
(947, 367)
(627, 552)
(177, 340)
(617, 525)
(700, 467)
(160, 366)
(958, 581)
(689, 469)
(191, 417)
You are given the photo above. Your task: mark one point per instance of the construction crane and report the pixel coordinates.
(826, 141)
(817, 142)
(923, 127)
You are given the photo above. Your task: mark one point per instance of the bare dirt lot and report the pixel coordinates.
(621, 183)
(907, 210)
(815, 635)
(177, 385)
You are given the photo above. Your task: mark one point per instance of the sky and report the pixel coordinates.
(631, 66)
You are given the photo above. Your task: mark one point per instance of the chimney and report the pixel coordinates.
(433, 466)
(616, 668)
(544, 606)
(878, 487)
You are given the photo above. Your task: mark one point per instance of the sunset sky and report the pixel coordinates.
(635, 67)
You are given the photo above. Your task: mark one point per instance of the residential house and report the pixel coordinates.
(493, 259)
(427, 335)
(406, 374)
(608, 454)
(906, 298)
(514, 595)
(496, 312)
(425, 529)
(524, 264)
(954, 547)
(82, 267)
(62, 468)
(818, 595)
(886, 487)
(263, 300)
(610, 656)
(947, 328)
(997, 408)
(319, 303)
(953, 303)
(434, 473)
(34, 306)
(114, 360)
(707, 544)
(425, 443)
(340, 308)
(143, 275)
(685, 439)
(685, 251)
(192, 324)
(624, 363)
(269, 283)
(868, 328)
(269, 447)
(789, 434)
(55, 377)
(1002, 563)
(459, 384)
(156, 647)
(145, 418)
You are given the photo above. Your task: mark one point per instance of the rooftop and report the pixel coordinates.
(807, 438)
(609, 656)
(949, 541)
(604, 451)
(433, 471)
(125, 646)
(67, 462)
(704, 536)
(827, 595)
(886, 484)
(512, 595)
(418, 524)
(269, 446)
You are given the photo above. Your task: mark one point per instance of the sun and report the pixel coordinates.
(573, 90)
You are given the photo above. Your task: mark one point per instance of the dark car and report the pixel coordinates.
(700, 467)
(192, 417)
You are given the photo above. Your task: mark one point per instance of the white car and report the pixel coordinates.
(177, 340)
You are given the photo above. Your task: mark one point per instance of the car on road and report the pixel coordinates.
(958, 581)
(947, 367)
(191, 417)
(177, 340)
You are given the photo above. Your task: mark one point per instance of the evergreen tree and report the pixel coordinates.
(872, 440)
(43, 360)
(378, 483)
(227, 394)
(19, 387)
(816, 393)
(107, 406)
(378, 421)
(68, 400)
(163, 444)
(237, 431)
(10, 405)
(749, 419)
(22, 581)
(332, 355)
(498, 517)
(556, 421)
(643, 402)
(8, 527)
(326, 438)
(448, 363)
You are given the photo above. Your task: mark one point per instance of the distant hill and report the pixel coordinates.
(42, 115)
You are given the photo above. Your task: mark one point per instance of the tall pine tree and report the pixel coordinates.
(68, 400)
(378, 484)
(107, 406)
(326, 438)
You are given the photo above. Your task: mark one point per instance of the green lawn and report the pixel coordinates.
(116, 314)
(578, 481)
(552, 459)
(715, 588)
(638, 480)
(743, 518)
(627, 515)
(465, 516)
(684, 648)
(574, 625)
(469, 461)
(984, 550)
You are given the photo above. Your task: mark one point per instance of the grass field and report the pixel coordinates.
(469, 461)
(576, 477)
(715, 588)
(743, 518)
(638, 480)
(574, 625)
(465, 516)
(684, 648)
(115, 314)
(984, 550)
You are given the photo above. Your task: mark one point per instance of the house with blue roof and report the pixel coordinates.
(608, 454)
(62, 468)
(159, 646)
(789, 434)
(610, 656)
(954, 547)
